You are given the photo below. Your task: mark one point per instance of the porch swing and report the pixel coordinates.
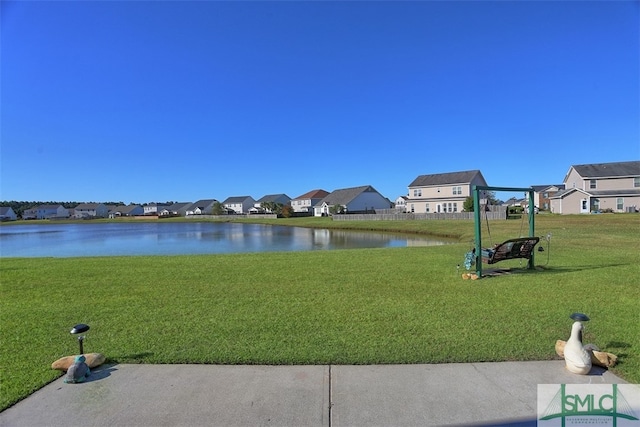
(521, 247)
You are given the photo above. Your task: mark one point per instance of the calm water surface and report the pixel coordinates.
(115, 239)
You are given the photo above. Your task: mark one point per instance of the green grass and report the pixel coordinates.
(361, 306)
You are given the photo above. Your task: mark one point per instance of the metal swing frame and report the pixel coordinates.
(478, 220)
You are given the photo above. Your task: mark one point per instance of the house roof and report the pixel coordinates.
(48, 207)
(540, 188)
(202, 203)
(605, 170)
(88, 205)
(177, 206)
(313, 194)
(346, 195)
(126, 209)
(237, 199)
(448, 178)
(273, 198)
(5, 210)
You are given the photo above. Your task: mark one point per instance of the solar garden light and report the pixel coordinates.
(80, 328)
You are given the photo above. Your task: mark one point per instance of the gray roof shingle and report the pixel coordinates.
(603, 170)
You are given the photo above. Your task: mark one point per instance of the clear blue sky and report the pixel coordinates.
(142, 101)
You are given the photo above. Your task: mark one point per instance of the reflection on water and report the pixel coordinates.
(111, 239)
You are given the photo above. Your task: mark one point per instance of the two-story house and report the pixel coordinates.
(364, 199)
(46, 212)
(153, 208)
(239, 204)
(542, 194)
(307, 201)
(91, 210)
(442, 192)
(613, 187)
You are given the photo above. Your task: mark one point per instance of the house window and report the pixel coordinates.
(427, 208)
(417, 192)
(457, 190)
(545, 195)
(636, 181)
(592, 184)
(620, 203)
(413, 209)
(455, 207)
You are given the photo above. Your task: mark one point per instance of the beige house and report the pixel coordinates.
(307, 201)
(600, 187)
(443, 192)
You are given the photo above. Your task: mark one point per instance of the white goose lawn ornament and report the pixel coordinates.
(577, 359)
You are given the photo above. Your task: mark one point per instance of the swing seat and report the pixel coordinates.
(511, 249)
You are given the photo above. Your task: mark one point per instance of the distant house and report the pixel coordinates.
(401, 204)
(365, 199)
(131, 210)
(7, 214)
(46, 212)
(201, 207)
(176, 209)
(153, 208)
(613, 187)
(542, 195)
(91, 210)
(442, 192)
(307, 201)
(239, 204)
(258, 206)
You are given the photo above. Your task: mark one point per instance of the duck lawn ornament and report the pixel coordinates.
(580, 358)
(577, 358)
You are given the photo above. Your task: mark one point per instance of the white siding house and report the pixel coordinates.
(239, 204)
(365, 199)
(307, 201)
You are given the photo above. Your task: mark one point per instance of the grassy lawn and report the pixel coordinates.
(360, 306)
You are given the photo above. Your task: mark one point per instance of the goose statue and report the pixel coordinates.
(577, 358)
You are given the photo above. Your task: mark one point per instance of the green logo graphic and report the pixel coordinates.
(586, 402)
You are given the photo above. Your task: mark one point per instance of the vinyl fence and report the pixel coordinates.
(501, 214)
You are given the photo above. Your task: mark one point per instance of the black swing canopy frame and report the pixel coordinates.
(514, 248)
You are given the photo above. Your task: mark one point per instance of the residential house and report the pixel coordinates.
(153, 208)
(46, 212)
(176, 209)
(130, 210)
(364, 199)
(7, 214)
(31, 213)
(239, 204)
(611, 187)
(259, 205)
(91, 210)
(442, 192)
(307, 201)
(201, 207)
(542, 195)
(401, 204)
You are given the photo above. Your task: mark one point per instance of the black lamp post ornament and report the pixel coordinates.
(80, 328)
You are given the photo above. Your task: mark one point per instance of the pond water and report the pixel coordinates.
(116, 239)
